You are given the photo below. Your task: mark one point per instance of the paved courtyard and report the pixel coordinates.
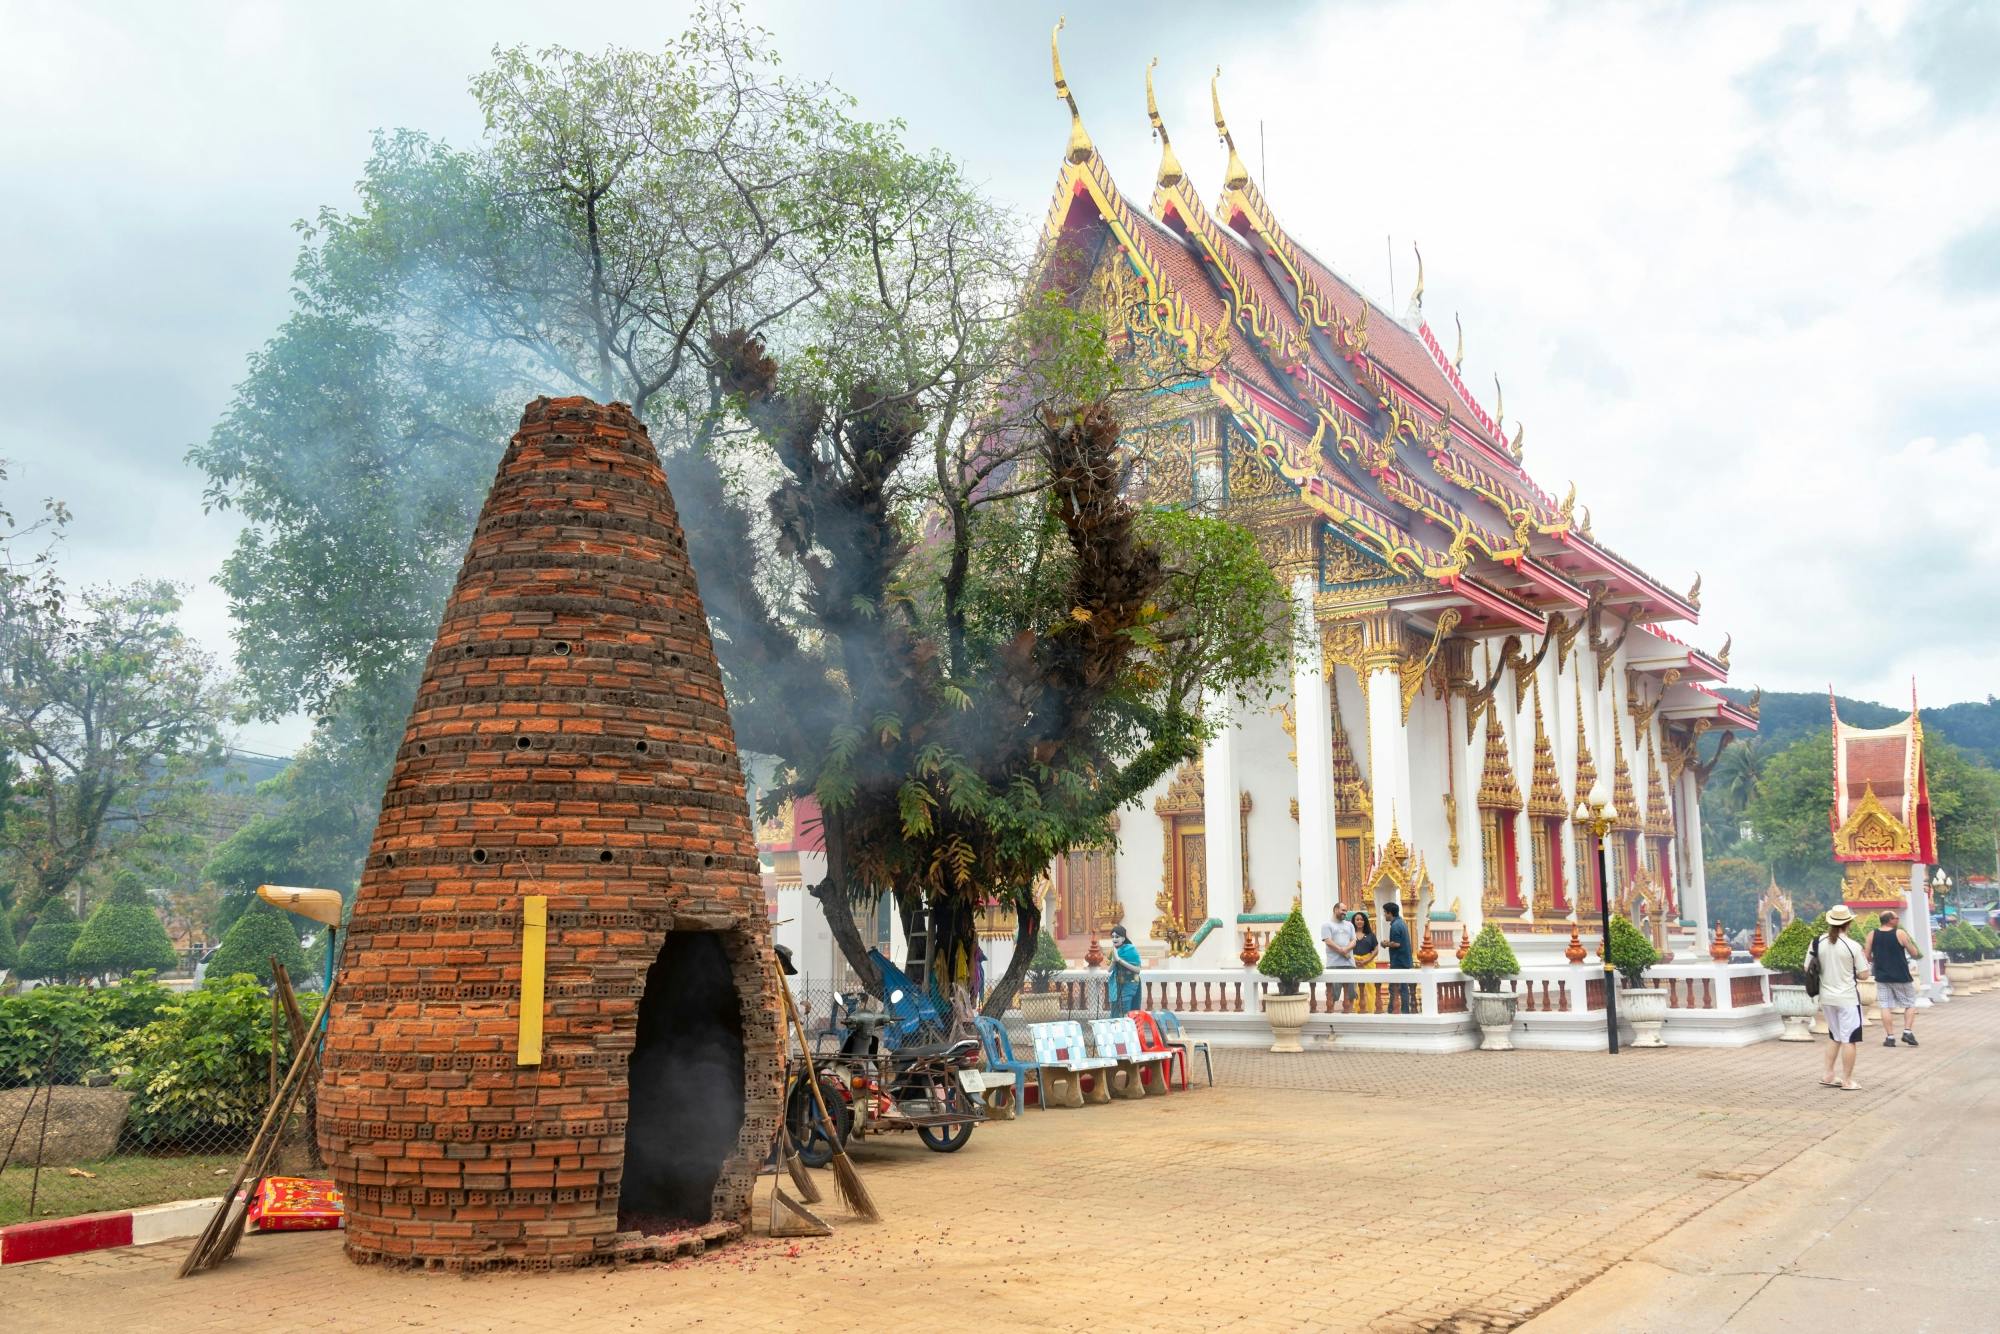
(1334, 1190)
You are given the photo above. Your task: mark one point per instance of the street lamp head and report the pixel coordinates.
(1600, 795)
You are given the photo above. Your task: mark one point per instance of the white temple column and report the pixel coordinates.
(1388, 755)
(1312, 704)
(1917, 921)
(1222, 819)
(1694, 879)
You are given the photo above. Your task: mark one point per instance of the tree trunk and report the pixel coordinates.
(1027, 930)
(838, 904)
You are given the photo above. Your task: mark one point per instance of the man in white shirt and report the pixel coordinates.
(1338, 937)
(1841, 965)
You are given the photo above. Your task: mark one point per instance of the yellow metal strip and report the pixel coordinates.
(534, 955)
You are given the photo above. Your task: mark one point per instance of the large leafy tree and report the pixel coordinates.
(110, 712)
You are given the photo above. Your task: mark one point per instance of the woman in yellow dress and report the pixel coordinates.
(1368, 998)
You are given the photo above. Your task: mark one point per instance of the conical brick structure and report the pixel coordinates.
(571, 742)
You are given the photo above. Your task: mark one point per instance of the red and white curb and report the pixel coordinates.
(22, 1242)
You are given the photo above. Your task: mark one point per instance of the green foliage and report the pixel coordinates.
(1291, 956)
(123, 934)
(85, 1018)
(1787, 954)
(1989, 940)
(259, 933)
(1490, 958)
(1631, 953)
(1734, 886)
(10, 952)
(45, 953)
(1048, 960)
(113, 711)
(197, 1072)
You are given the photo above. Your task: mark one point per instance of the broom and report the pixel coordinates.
(847, 1182)
(218, 1240)
(802, 1180)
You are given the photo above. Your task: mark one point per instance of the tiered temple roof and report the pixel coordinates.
(1363, 417)
(1881, 794)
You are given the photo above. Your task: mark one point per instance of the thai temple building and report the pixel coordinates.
(1479, 655)
(1884, 836)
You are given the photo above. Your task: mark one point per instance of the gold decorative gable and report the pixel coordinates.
(1184, 794)
(1659, 820)
(1545, 794)
(1622, 795)
(1872, 833)
(1497, 788)
(1405, 875)
(1875, 882)
(1586, 767)
(1353, 804)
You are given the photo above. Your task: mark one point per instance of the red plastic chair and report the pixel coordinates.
(1151, 1039)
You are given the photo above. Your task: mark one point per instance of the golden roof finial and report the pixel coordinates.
(1458, 357)
(1417, 295)
(1694, 594)
(1079, 142)
(1237, 176)
(1170, 166)
(1723, 657)
(1520, 432)
(1584, 527)
(1568, 506)
(1499, 408)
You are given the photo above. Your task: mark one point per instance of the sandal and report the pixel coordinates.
(1850, 1088)
(1829, 1083)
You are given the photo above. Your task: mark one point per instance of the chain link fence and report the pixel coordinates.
(115, 1097)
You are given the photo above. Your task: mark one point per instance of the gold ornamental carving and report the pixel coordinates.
(1413, 670)
(1586, 767)
(1659, 818)
(1479, 700)
(1451, 825)
(1872, 832)
(1875, 882)
(1525, 667)
(1243, 845)
(1545, 794)
(1642, 714)
(1622, 795)
(1606, 650)
(1402, 874)
(1497, 788)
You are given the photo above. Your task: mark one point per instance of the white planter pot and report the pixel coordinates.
(1865, 989)
(1646, 1010)
(1493, 1011)
(1041, 1007)
(1288, 1017)
(1797, 1010)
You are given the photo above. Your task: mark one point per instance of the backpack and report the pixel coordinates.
(1812, 968)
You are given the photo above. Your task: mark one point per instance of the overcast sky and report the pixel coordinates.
(1738, 265)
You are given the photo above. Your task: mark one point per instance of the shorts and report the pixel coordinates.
(1896, 995)
(1843, 1022)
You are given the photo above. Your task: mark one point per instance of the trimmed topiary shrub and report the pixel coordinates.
(1048, 961)
(1989, 940)
(1490, 959)
(123, 935)
(1631, 953)
(45, 953)
(1292, 958)
(258, 934)
(1787, 954)
(197, 1072)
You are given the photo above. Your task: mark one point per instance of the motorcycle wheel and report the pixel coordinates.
(802, 1123)
(949, 1139)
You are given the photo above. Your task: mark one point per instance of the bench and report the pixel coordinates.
(1119, 1040)
(1062, 1061)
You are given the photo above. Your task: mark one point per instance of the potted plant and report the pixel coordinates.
(1291, 958)
(1488, 963)
(1786, 960)
(1645, 1008)
(1044, 1004)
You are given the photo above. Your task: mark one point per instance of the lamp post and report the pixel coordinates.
(318, 905)
(1596, 812)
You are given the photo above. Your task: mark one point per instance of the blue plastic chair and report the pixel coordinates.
(1000, 1056)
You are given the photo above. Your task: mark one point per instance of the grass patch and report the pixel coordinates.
(124, 1182)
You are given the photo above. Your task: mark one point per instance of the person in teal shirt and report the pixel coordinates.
(1124, 981)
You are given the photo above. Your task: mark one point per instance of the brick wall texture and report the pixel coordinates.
(570, 739)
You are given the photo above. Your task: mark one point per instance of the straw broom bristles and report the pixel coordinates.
(846, 1181)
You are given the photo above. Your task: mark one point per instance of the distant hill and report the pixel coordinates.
(1788, 715)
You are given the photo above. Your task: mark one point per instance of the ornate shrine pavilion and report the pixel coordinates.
(1884, 836)
(1481, 658)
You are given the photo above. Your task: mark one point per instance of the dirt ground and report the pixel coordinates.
(1332, 1190)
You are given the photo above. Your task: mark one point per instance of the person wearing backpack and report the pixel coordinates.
(1835, 966)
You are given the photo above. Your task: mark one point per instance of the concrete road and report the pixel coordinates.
(1892, 1226)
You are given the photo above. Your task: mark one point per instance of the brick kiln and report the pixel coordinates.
(555, 1041)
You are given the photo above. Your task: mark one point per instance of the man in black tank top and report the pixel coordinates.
(1890, 950)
